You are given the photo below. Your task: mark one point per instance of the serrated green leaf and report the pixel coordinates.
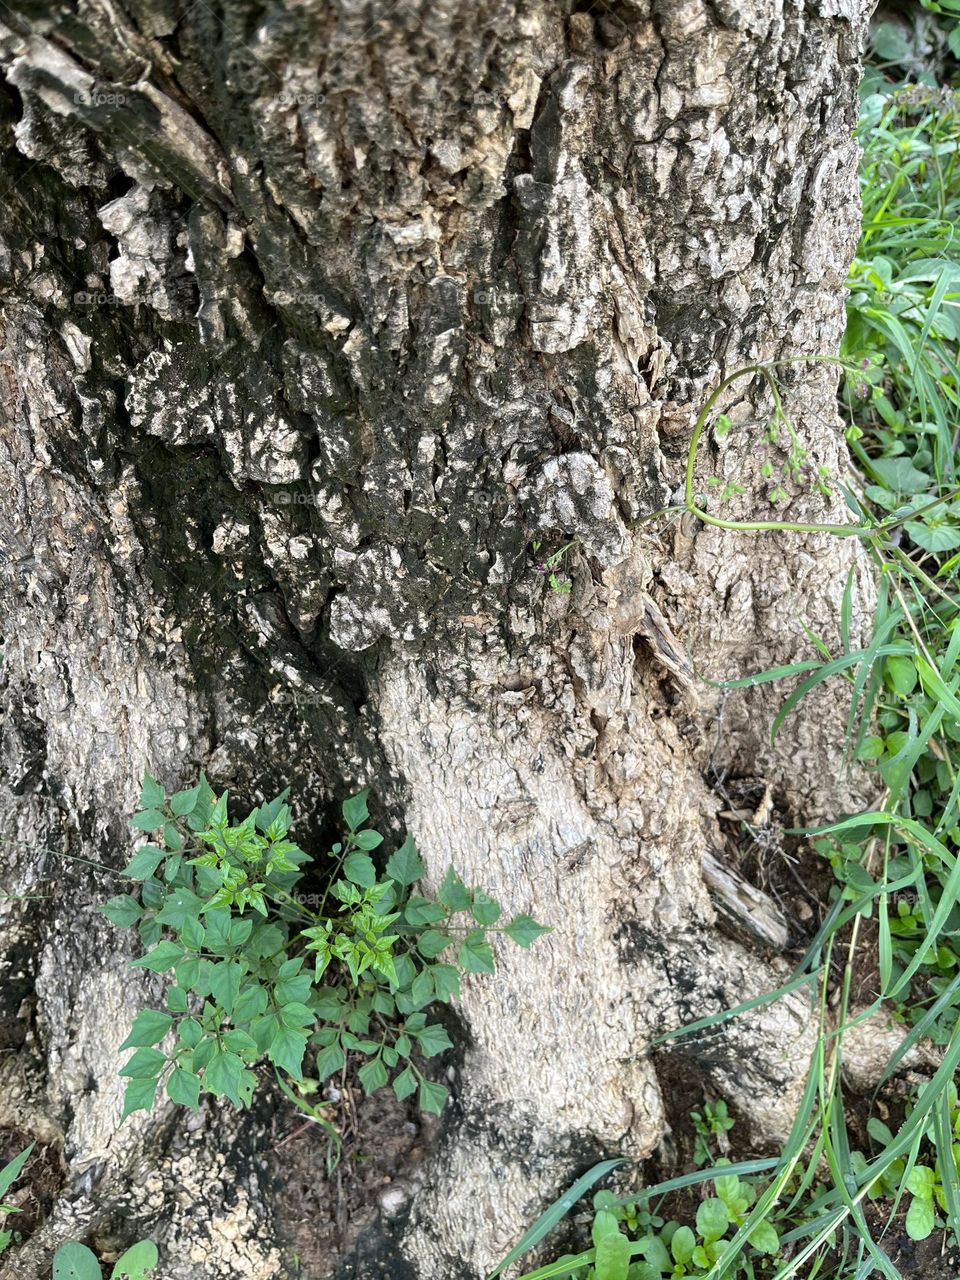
(144, 1064)
(190, 1032)
(421, 911)
(328, 1004)
(286, 1051)
(405, 1083)
(147, 820)
(475, 955)
(432, 1040)
(237, 1041)
(123, 911)
(183, 803)
(454, 894)
(294, 989)
(430, 943)
(485, 910)
(188, 973)
(329, 1060)
(433, 1097)
(355, 811)
(144, 862)
(359, 870)
(296, 1015)
(149, 1027)
(184, 1087)
(267, 814)
(372, 1075)
(405, 865)
(223, 1074)
(180, 905)
(139, 1095)
(152, 894)
(225, 981)
(523, 930)
(421, 990)
(384, 1003)
(161, 958)
(152, 795)
(250, 1003)
(446, 981)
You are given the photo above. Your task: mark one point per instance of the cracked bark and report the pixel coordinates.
(314, 319)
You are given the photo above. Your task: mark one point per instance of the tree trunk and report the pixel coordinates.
(323, 326)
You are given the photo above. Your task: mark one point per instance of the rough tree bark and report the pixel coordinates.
(315, 318)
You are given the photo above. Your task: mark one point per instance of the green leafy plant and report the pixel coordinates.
(631, 1242)
(8, 1176)
(263, 972)
(918, 45)
(74, 1261)
(927, 1187)
(560, 584)
(713, 1122)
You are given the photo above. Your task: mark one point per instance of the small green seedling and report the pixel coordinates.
(560, 584)
(8, 1176)
(713, 1122)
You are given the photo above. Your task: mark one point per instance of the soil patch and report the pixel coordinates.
(324, 1212)
(757, 846)
(931, 1259)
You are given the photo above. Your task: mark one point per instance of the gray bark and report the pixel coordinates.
(315, 318)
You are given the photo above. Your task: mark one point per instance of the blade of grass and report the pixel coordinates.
(551, 1216)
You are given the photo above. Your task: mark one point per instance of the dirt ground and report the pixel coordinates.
(384, 1141)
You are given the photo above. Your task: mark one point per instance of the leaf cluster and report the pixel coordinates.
(261, 973)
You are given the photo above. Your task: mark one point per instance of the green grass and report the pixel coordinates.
(821, 1207)
(904, 310)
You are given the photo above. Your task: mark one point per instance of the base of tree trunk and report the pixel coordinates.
(330, 332)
